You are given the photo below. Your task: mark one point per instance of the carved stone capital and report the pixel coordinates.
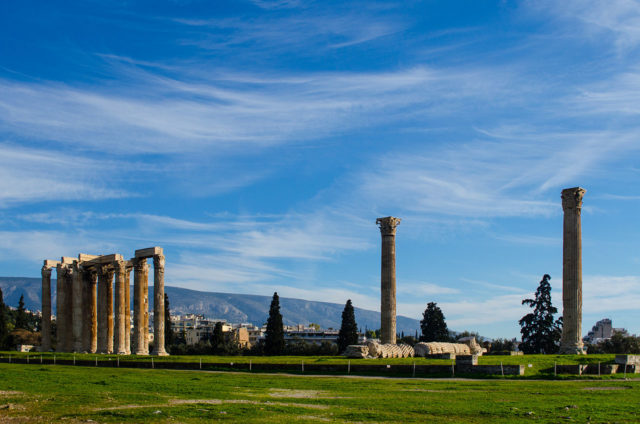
(388, 225)
(572, 198)
(46, 272)
(140, 264)
(158, 261)
(120, 266)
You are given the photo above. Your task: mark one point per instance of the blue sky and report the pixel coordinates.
(258, 141)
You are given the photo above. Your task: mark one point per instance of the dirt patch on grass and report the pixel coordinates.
(9, 393)
(175, 402)
(606, 388)
(298, 394)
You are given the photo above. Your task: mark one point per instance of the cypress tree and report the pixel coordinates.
(217, 338)
(3, 322)
(168, 331)
(274, 337)
(434, 328)
(348, 334)
(540, 332)
(21, 315)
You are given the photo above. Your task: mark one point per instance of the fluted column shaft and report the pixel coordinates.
(127, 311)
(60, 307)
(119, 331)
(91, 311)
(68, 310)
(388, 279)
(45, 345)
(105, 310)
(158, 306)
(571, 341)
(76, 304)
(140, 307)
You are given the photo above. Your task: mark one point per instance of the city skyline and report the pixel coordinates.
(258, 141)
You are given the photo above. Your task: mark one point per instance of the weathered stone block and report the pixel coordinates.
(356, 351)
(467, 360)
(149, 252)
(627, 359)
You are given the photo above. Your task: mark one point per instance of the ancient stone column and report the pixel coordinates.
(388, 279)
(68, 309)
(60, 307)
(158, 306)
(140, 306)
(571, 341)
(119, 331)
(105, 309)
(90, 325)
(45, 345)
(76, 306)
(127, 310)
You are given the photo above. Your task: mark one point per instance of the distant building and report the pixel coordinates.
(603, 330)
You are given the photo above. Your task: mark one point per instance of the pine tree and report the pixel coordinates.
(434, 328)
(348, 334)
(21, 315)
(3, 322)
(274, 337)
(168, 331)
(540, 332)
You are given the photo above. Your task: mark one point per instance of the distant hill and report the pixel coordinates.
(228, 306)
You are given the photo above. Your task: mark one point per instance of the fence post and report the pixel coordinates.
(414, 370)
(9, 358)
(555, 370)
(118, 361)
(349, 367)
(453, 368)
(152, 365)
(96, 361)
(74, 359)
(249, 364)
(302, 366)
(501, 369)
(625, 371)
(200, 363)
(40, 358)
(598, 369)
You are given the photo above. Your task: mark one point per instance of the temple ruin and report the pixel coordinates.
(91, 316)
(388, 279)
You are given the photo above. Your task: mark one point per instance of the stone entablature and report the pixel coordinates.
(85, 303)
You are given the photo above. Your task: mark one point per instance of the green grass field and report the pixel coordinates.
(541, 365)
(48, 393)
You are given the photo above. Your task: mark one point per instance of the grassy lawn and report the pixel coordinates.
(47, 393)
(541, 365)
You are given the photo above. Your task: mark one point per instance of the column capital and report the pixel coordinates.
(158, 261)
(139, 263)
(572, 198)
(46, 271)
(388, 225)
(120, 266)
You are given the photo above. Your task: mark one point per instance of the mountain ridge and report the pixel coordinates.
(232, 307)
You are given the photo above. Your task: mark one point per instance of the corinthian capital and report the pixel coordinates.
(46, 271)
(158, 261)
(388, 225)
(572, 198)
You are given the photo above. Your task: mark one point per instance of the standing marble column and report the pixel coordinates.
(127, 310)
(388, 279)
(158, 306)
(571, 341)
(119, 331)
(60, 307)
(90, 325)
(140, 306)
(105, 309)
(68, 309)
(45, 345)
(76, 306)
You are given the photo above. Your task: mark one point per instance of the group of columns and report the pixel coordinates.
(571, 340)
(89, 318)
